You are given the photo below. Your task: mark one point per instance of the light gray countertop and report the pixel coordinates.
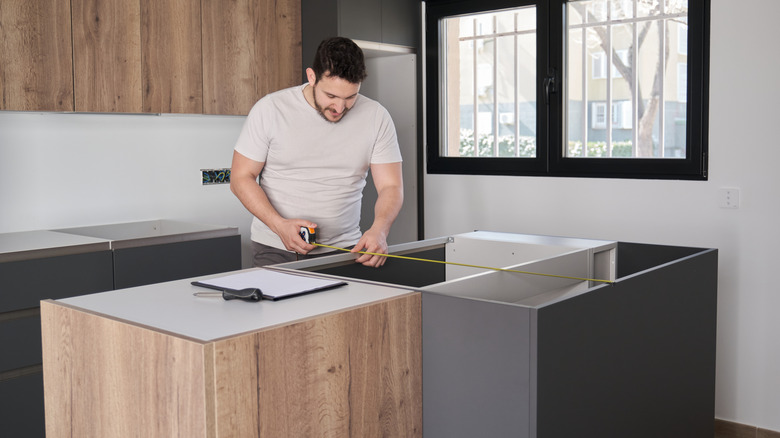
(173, 308)
(153, 232)
(26, 245)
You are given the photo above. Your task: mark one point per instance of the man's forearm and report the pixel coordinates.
(388, 205)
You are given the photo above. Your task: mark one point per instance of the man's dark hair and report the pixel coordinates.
(340, 57)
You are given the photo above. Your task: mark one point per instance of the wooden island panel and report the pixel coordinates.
(106, 378)
(352, 373)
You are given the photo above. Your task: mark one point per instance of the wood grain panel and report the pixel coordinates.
(171, 56)
(356, 373)
(250, 48)
(107, 55)
(36, 72)
(110, 379)
(278, 45)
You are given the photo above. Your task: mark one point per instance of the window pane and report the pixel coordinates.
(647, 8)
(675, 115)
(484, 24)
(622, 9)
(485, 97)
(575, 108)
(596, 90)
(632, 104)
(526, 95)
(620, 143)
(506, 93)
(650, 65)
(490, 84)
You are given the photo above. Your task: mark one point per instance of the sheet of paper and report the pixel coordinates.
(273, 284)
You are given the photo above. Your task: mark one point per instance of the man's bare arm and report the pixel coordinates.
(243, 184)
(388, 179)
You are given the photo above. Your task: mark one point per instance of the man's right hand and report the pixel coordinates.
(289, 230)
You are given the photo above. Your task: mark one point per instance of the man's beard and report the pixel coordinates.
(322, 110)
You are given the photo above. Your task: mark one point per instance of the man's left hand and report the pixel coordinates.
(373, 242)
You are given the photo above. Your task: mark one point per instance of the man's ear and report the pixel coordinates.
(311, 76)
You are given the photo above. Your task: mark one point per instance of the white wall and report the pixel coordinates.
(63, 170)
(744, 153)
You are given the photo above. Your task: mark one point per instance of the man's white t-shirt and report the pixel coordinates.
(315, 169)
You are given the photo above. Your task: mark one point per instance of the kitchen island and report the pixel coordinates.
(568, 337)
(157, 361)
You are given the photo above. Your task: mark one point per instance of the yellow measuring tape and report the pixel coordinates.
(466, 265)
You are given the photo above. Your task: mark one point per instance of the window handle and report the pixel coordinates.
(549, 85)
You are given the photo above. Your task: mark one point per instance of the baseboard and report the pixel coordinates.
(729, 429)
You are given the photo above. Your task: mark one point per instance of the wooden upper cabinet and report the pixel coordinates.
(250, 48)
(147, 56)
(171, 56)
(107, 55)
(36, 72)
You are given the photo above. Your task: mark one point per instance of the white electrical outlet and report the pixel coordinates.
(728, 197)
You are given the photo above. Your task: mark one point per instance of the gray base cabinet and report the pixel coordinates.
(41, 265)
(632, 359)
(21, 406)
(24, 284)
(618, 341)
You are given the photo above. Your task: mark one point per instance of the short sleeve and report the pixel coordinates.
(386, 148)
(254, 139)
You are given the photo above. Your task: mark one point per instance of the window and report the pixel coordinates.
(603, 88)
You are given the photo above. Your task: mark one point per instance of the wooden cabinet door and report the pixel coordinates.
(250, 48)
(172, 72)
(36, 72)
(107, 55)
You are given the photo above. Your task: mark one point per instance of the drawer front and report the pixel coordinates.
(21, 406)
(23, 284)
(20, 340)
(173, 261)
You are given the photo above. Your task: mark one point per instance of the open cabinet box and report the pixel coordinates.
(511, 354)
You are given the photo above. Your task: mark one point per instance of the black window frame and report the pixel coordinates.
(550, 159)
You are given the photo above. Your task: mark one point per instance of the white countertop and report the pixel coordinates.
(153, 232)
(25, 245)
(173, 308)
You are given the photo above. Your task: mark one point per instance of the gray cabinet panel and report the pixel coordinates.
(21, 407)
(158, 263)
(401, 22)
(641, 349)
(395, 271)
(361, 19)
(20, 342)
(381, 21)
(25, 283)
(476, 368)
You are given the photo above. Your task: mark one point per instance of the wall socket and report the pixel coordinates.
(215, 176)
(728, 197)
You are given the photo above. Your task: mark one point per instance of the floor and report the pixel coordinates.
(727, 429)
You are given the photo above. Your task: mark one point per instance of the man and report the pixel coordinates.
(312, 146)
